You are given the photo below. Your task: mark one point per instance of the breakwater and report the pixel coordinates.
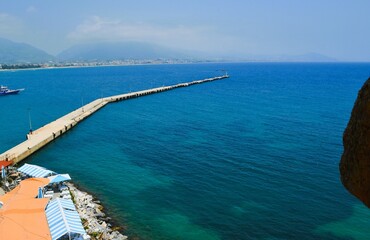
(46, 134)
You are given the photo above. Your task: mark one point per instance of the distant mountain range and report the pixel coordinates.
(22, 53)
(12, 53)
(308, 57)
(117, 51)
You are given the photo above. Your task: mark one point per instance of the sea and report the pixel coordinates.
(254, 156)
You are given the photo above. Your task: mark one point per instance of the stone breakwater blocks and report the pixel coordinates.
(91, 213)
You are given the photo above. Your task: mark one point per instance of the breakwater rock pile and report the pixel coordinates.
(355, 162)
(93, 218)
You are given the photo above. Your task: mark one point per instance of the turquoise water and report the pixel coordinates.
(251, 157)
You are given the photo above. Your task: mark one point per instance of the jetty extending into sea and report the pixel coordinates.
(46, 134)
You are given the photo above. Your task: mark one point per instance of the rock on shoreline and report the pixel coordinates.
(355, 163)
(93, 218)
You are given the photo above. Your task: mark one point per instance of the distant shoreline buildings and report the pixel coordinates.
(125, 62)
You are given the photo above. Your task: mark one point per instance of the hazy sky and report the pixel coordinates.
(336, 28)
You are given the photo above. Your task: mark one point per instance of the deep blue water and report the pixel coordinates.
(251, 157)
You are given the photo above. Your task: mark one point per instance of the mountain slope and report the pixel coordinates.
(307, 57)
(13, 52)
(117, 51)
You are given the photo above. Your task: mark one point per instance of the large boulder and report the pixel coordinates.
(355, 163)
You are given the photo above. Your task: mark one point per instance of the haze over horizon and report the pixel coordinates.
(337, 29)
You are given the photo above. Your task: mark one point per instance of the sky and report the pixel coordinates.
(336, 28)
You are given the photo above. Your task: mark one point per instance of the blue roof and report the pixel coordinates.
(63, 218)
(35, 171)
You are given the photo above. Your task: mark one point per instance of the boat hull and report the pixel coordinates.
(10, 92)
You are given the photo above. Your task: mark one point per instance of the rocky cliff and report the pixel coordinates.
(355, 163)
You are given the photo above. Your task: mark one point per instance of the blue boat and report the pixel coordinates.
(6, 91)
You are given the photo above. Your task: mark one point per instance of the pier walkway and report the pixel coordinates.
(46, 134)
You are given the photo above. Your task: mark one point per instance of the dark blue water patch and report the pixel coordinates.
(253, 156)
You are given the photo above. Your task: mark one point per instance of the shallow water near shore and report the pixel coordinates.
(253, 156)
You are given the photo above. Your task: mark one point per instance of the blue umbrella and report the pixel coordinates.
(3, 175)
(59, 178)
(40, 193)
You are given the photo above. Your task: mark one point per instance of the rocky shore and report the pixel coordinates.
(93, 218)
(355, 162)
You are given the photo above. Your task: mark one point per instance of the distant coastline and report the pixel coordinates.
(118, 63)
(130, 62)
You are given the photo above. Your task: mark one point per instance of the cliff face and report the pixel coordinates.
(355, 163)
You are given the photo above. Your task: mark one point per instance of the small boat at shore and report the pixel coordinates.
(6, 91)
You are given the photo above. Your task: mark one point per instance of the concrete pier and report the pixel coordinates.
(46, 134)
